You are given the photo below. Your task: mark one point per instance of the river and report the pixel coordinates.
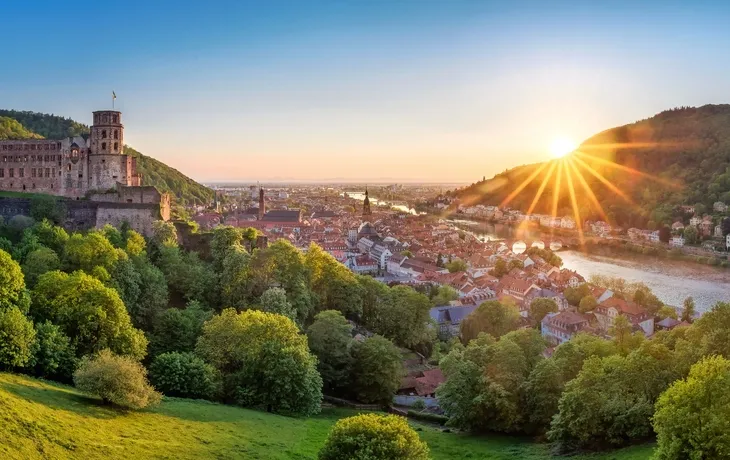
(671, 281)
(375, 202)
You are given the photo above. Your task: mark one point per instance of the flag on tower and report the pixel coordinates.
(114, 95)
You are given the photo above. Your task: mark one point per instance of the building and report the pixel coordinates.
(72, 166)
(677, 241)
(366, 204)
(607, 311)
(448, 319)
(558, 328)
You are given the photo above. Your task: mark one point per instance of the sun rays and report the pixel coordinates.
(567, 177)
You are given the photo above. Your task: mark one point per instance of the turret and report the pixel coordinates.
(107, 133)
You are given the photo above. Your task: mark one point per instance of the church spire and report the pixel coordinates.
(366, 204)
(262, 203)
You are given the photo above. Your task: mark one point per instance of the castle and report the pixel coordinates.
(93, 168)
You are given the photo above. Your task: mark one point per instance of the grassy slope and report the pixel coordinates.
(44, 420)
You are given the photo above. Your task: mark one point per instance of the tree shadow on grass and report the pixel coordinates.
(60, 398)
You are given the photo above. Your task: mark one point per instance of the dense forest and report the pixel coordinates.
(678, 157)
(25, 125)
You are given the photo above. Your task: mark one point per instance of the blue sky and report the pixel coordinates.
(361, 90)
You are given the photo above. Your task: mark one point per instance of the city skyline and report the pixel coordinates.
(379, 91)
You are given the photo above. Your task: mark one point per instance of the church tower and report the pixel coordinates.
(262, 204)
(366, 204)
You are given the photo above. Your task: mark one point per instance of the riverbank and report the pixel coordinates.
(671, 281)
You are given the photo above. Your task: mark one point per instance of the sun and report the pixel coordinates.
(562, 146)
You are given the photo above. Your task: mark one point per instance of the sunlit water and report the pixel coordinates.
(376, 202)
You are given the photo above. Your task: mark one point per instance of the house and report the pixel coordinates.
(515, 287)
(448, 319)
(667, 324)
(394, 263)
(382, 254)
(677, 226)
(560, 327)
(654, 236)
(362, 264)
(677, 241)
(567, 222)
(695, 220)
(607, 311)
(556, 297)
(706, 226)
(566, 278)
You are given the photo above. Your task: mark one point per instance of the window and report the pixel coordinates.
(32, 158)
(25, 158)
(103, 134)
(103, 145)
(48, 172)
(69, 167)
(116, 146)
(2, 172)
(21, 172)
(11, 172)
(32, 173)
(116, 134)
(5, 159)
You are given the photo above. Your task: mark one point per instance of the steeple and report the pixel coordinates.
(366, 204)
(262, 204)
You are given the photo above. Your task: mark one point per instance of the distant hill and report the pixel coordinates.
(25, 125)
(677, 157)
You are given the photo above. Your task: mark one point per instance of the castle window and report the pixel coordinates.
(21, 172)
(27, 147)
(32, 158)
(103, 145)
(11, 172)
(46, 147)
(23, 186)
(116, 134)
(81, 175)
(32, 172)
(116, 146)
(5, 159)
(32, 147)
(25, 158)
(103, 134)
(69, 167)
(2, 172)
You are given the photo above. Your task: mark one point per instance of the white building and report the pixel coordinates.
(567, 222)
(677, 241)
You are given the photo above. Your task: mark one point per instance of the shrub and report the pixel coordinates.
(117, 380)
(184, 375)
(428, 417)
(373, 436)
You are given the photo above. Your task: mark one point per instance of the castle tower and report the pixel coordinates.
(107, 164)
(366, 204)
(262, 204)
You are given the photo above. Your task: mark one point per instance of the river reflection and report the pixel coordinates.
(375, 202)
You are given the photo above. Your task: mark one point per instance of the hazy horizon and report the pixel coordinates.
(424, 92)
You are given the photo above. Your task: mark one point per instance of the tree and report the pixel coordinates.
(135, 244)
(330, 339)
(403, 316)
(667, 312)
(373, 437)
(38, 262)
(164, 234)
(444, 295)
(187, 275)
(587, 303)
(575, 294)
(16, 338)
(333, 285)
(116, 379)
(91, 314)
(184, 375)
(688, 310)
(456, 266)
(224, 239)
(90, 251)
(274, 300)
(692, 416)
(500, 268)
(542, 392)
(178, 329)
(53, 355)
(492, 317)
(264, 361)
(377, 370)
(622, 336)
(12, 283)
(234, 278)
(691, 235)
(50, 236)
(540, 307)
(47, 207)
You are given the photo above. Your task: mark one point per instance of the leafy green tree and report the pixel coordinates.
(50, 236)
(515, 263)
(692, 416)
(482, 388)
(444, 295)
(377, 370)
(621, 331)
(575, 294)
(542, 392)
(114, 236)
(38, 262)
(688, 310)
(184, 375)
(403, 317)
(710, 334)
(456, 266)
(264, 361)
(91, 314)
(187, 275)
(89, 251)
(540, 307)
(178, 329)
(224, 239)
(274, 300)
(667, 312)
(53, 355)
(691, 235)
(491, 317)
(587, 303)
(330, 339)
(164, 234)
(12, 283)
(234, 278)
(47, 207)
(373, 437)
(118, 380)
(333, 285)
(16, 338)
(500, 268)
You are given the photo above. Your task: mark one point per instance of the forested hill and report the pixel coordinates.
(25, 125)
(686, 150)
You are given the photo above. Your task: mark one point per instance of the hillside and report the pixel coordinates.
(678, 157)
(23, 125)
(39, 419)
